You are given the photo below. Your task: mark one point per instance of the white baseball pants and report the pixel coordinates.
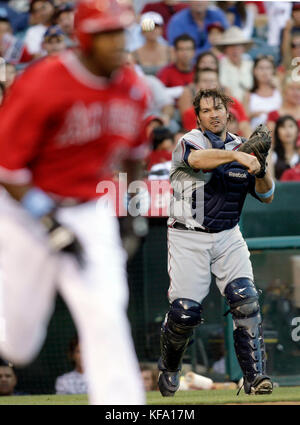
(96, 295)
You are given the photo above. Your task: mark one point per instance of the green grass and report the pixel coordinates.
(282, 394)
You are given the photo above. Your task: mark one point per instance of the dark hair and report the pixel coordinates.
(215, 94)
(5, 20)
(207, 53)
(160, 134)
(278, 147)
(202, 70)
(256, 62)
(36, 1)
(184, 37)
(63, 8)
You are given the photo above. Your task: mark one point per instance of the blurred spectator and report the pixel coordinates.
(41, 12)
(278, 13)
(291, 53)
(166, 8)
(2, 91)
(12, 49)
(73, 382)
(151, 122)
(162, 99)
(8, 379)
(64, 18)
(194, 21)
(292, 27)
(235, 69)
(159, 161)
(153, 55)
(54, 40)
(290, 102)
(285, 154)
(181, 72)
(207, 60)
(240, 14)
(18, 16)
(11, 74)
(150, 377)
(264, 97)
(215, 33)
(205, 78)
(180, 133)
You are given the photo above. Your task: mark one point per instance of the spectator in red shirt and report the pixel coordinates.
(181, 72)
(293, 174)
(166, 8)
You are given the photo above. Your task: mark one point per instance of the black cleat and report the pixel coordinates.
(262, 384)
(168, 382)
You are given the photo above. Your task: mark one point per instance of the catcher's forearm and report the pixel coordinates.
(210, 158)
(264, 188)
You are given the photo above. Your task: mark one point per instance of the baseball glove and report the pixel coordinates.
(259, 145)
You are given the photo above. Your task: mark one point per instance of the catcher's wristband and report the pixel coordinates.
(267, 194)
(37, 203)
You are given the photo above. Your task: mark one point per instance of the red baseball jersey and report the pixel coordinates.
(172, 77)
(63, 128)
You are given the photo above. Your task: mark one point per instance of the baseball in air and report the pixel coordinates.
(148, 24)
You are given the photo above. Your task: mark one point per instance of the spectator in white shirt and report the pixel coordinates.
(41, 14)
(73, 382)
(235, 68)
(264, 96)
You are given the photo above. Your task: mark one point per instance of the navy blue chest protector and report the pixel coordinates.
(225, 194)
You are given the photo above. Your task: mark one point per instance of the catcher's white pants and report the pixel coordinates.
(96, 295)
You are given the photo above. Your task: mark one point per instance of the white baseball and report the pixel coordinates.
(148, 24)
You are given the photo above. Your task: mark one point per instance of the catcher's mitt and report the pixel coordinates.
(259, 145)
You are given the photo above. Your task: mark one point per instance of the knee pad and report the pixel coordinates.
(242, 297)
(184, 315)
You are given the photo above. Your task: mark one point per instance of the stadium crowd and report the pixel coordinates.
(250, 49)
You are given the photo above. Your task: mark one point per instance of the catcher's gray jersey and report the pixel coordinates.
(185, 180)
